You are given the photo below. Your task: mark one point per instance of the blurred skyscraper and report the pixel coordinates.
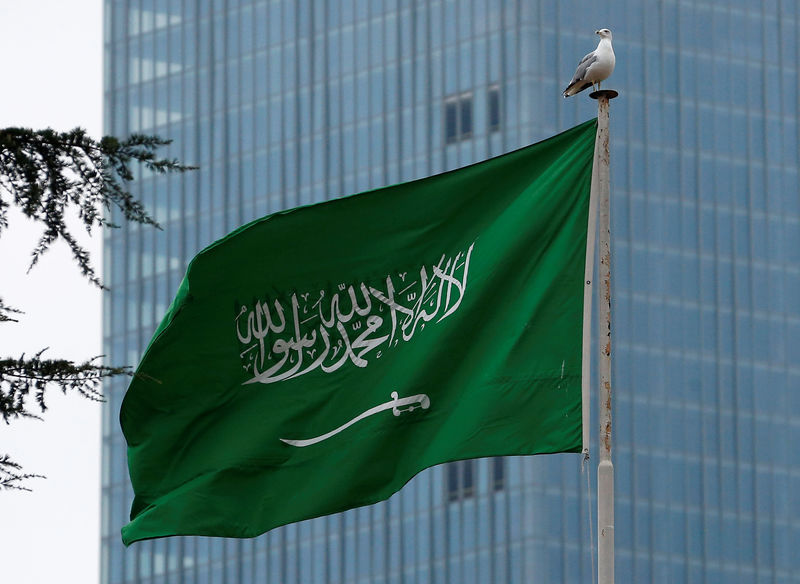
(286, 102)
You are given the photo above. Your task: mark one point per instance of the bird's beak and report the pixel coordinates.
(597, 32)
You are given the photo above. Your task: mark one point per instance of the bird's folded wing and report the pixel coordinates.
(580, 72)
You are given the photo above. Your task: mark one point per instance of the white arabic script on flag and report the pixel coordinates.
(356, 323)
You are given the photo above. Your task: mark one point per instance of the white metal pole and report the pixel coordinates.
(605, 468)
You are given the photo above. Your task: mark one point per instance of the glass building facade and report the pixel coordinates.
(287, 102)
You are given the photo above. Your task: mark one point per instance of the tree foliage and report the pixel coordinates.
(48, 176)
(47, 173)
(11, 475)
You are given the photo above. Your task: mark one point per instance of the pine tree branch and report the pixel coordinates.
(25, 380)
(10, 476)
(23, 383)
(47, 173)
(6, 310)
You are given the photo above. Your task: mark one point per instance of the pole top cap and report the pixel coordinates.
(607, 93)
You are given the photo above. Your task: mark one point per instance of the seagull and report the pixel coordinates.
(594, 67)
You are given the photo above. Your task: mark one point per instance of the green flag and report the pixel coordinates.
(317, 359)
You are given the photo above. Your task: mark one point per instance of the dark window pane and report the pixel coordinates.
(452, 481)
(494, 109)
(468, 483)
(450, 122)
(466, 116)
(498, 474)
(460, 480)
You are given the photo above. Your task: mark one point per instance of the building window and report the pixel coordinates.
(498, 473)
(494, 108)
(450, 121)
(460, 480)
(465, 116)
(458, 117)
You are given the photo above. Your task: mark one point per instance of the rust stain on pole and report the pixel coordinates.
(602, 159)
(605, 469)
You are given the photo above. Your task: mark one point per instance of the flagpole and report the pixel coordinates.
(605, 468)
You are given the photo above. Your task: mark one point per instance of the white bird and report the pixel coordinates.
(594, 67)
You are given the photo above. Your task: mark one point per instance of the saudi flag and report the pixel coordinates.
(317, 359)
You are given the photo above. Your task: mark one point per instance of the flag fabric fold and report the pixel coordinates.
(317, 359)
